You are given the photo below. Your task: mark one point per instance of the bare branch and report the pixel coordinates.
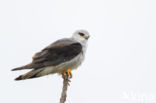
(64, 89)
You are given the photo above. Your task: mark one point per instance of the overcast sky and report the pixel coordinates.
(120, 64)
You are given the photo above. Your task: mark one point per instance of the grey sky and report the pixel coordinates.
(120, 64)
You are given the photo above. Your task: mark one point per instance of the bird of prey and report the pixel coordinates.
(59, 57)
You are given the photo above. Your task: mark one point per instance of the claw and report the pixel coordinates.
(67, 75)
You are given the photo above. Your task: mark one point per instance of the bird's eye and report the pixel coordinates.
(81, 34)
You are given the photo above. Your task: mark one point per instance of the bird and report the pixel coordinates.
(59, 57)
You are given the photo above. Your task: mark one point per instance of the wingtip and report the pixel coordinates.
(14, 69)
(28, 66)
(19, 68)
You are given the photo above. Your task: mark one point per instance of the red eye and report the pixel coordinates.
(81, 34)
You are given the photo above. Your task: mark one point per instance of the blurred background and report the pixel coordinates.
(120, 64)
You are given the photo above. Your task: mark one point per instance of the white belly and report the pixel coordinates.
(72, 64)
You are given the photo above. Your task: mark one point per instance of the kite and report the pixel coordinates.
(59, 57)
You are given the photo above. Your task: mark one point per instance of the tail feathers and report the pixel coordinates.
(19, 78)
(29, 75)
(23, 67)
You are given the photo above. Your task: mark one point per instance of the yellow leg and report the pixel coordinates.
(67, 74)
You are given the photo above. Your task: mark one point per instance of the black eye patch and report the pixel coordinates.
(81, 34)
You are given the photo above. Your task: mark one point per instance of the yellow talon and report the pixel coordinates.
(67, 74)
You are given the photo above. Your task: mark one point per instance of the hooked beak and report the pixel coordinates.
(87, 37)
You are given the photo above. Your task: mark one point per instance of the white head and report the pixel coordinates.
(81, 36)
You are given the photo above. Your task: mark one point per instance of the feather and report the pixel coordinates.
(29, 75)
(28, 66)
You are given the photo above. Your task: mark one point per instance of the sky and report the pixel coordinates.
(120, 63)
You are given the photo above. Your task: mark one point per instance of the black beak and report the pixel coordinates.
(87, 37)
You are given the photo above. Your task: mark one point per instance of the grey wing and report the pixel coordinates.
(57, 53)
